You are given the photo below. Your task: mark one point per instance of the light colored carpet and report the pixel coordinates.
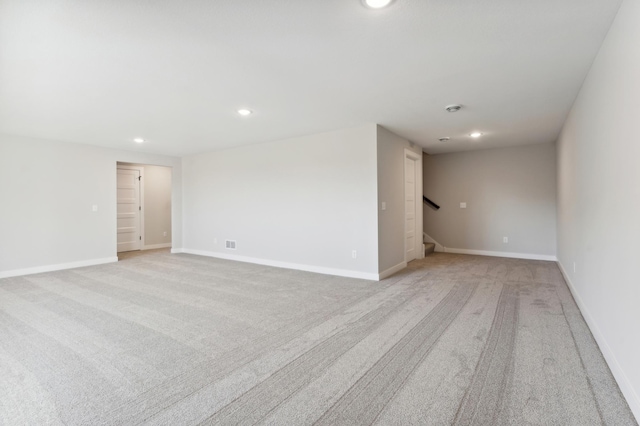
(180, 339)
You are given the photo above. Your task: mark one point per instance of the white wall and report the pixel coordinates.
(391, 221)
(157, 205)
(599, 200)
(510, 192)
(47, 189)
(304, 203)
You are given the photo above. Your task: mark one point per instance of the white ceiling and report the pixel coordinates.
(175, 72)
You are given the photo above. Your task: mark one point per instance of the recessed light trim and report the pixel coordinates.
(376, 4)
(444, 139)
(138, 140)
(244, 112)
(475, 135)
(453, 108)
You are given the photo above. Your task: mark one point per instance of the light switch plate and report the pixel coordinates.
(384, 205)
(94, 208)
(463, 205)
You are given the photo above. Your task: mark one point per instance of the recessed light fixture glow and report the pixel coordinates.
(138, 140)
(475, 134)
(245, 112)
(376, 4)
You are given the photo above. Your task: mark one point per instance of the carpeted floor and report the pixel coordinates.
(180, 339)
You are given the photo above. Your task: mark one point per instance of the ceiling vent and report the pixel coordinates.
(453, 108)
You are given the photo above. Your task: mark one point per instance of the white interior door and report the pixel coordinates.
(129, 236)
(410, 207)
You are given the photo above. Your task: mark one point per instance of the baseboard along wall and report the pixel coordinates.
(278, 264)
(618, 373)
(57, 267)
(527, 256)
(156, 246)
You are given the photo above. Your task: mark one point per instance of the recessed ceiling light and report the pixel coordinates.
(453, 108)
(475, 134)
(376, 4)
(138, 140)
(244, 111)
(444, 139)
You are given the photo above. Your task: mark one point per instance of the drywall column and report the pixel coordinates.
(391, 221)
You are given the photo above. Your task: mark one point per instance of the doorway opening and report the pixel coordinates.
(143, 207)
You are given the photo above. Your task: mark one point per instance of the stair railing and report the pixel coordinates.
(430, 203)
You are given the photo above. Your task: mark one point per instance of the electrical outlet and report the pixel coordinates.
(505, 239)
(463, 205)
(384, 205)
(164, 234)
(94, 208)
(215, 241)
(574, 267)
(230, 244)
(354, 254)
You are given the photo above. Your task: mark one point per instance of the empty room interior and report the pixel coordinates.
(340, 212)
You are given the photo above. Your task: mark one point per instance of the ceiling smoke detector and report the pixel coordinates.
(453, 108)
(445, 139)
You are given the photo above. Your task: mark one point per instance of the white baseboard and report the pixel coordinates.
(56, 267)
(287, 265)
(177, 250)
(156, 246)
(501, 254)
(384, 274)
(626, 388)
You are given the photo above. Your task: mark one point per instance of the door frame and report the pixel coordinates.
(413, 156)
(141, 170)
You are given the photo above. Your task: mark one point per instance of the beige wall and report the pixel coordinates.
(157, 205)
(47, 190)
(391, 221)
(303, 203)
(599, 200)
(510, 192)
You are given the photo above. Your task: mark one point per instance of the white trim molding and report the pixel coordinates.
(618, 373)
(57, 267)
(528, 256)
(156, 246)
(139, 168)
(297, 266)
(387, 273)
(177, 250)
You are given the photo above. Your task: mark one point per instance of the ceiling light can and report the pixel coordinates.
(138, 140)
(475, 134)
(444, 139)
(244, 111)
(453, 108)
(376, 4)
